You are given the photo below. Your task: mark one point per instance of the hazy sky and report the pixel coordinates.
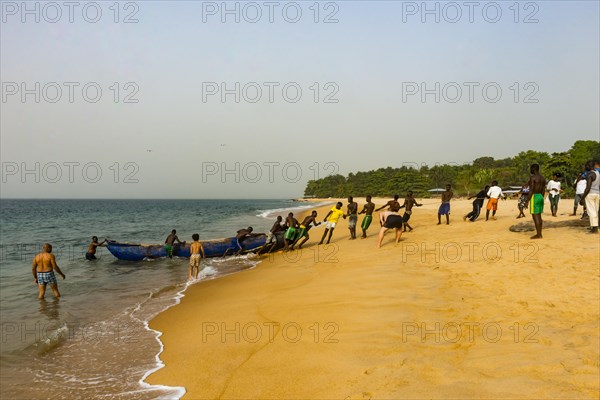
(367, 82)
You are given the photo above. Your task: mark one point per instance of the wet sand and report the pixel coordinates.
(466, 310)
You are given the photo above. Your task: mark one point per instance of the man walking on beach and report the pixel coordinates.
(169, 241)
(537, 184)
(409, 202)
(290, 234)
(554, 190)
(304, 228)
(196, 253)
(477, 204)
(445, 206)
(494, 194)
(352, 217)
(91, 251)
(332, 218)
(42, 268)
(368, 211)
(591, 196)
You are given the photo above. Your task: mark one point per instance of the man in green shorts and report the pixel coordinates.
(169, 241)
(537, 183)
(368, 211)
(290, 235)
(305, 226)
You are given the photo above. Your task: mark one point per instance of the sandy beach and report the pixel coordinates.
(468, 310)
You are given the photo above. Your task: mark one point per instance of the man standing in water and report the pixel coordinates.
(332, 218)
(196, 252)
(409, 202)
(537, 184)
(368, 211)
(169, 241)
(91, 251)
(352, 217)
(445, 206)
(42, 268)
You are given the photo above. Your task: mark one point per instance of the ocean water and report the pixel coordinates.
(95, 342)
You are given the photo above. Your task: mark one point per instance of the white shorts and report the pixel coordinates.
(330, 225)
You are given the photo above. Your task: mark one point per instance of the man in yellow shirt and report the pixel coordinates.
(332, 218)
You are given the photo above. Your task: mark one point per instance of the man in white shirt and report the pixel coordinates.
(554, 190)
(494, 194)
(591, 196)
(580, 185)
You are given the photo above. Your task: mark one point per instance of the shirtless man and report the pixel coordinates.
(368, 211)
(271, 238)
(169, 241)
(352, 217)
(409, 202)
(42, 268)
(196, 252)
(290, 234)
(305, 226)
(392, 204)
(537, 184)
(445, 206)
(236, 244)
(91, 251)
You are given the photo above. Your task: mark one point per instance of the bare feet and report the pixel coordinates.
(536, 237)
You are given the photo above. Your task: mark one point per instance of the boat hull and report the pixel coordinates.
(212, 248)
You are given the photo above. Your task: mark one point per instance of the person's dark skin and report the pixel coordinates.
(487, 212)
(537, 184)
(521, 213)
(409, 202)
(307, 221)
(352, 210)
(290, 222)
(241, 235)
(330, 231)
(554, 209)
(171, 239)
(392, 204)
(589, 166)
(94, 244)
(275, 228)
(367, 210)
(446, 196)
(579, 178)
(485, 190)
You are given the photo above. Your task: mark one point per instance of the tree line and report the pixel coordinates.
(465, 179)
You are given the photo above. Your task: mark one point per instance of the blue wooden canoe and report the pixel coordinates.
(212, 248)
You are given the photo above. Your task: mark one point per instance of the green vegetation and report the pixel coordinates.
(465, 179)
